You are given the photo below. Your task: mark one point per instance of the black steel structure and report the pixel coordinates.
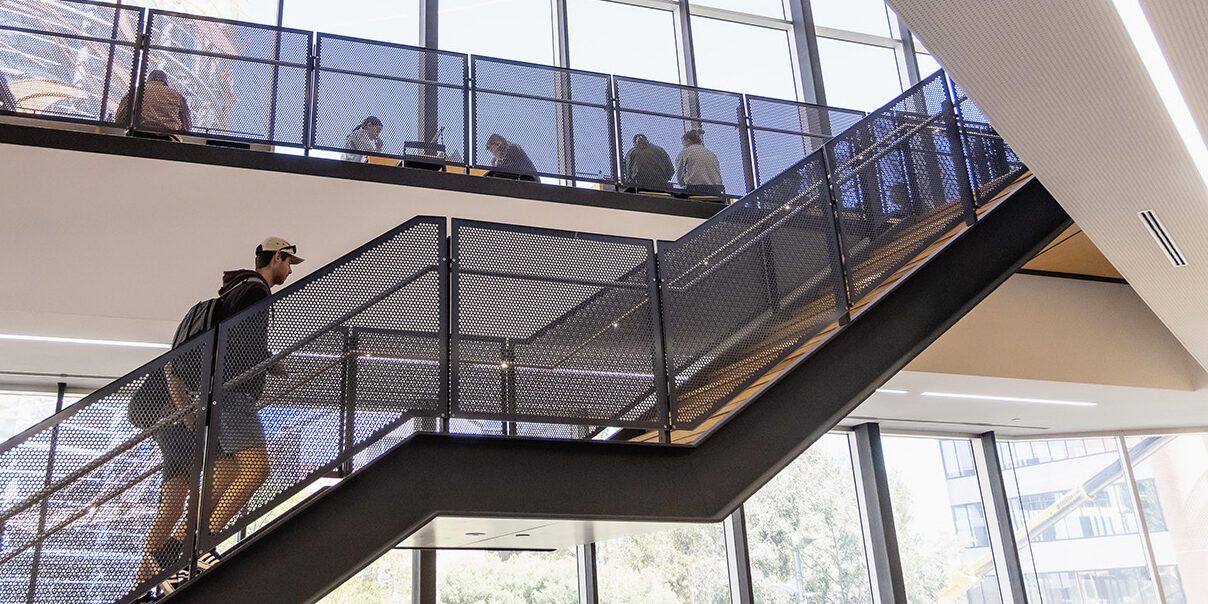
(525, 348)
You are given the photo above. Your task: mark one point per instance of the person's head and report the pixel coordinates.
(692, 137)
(640, 140)
(275, 259)
(157, 75)
(497, 145)
(371, 125)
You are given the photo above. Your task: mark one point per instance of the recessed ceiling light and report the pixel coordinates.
(475, 534)
(891, 391)
(57, 340)
(1146, 44)
(1010, 399)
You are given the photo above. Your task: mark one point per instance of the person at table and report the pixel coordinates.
(366, 137)
(510, 160)
(648, 165)
(163, 109)
(698, 167)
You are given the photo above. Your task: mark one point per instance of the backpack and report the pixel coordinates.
(152, 401)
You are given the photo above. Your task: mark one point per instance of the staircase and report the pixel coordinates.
(477, 369)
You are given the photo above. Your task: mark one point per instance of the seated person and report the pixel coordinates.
(163, 109)
(648, 165)
(698, 168)
(510, 160)
(365, 137)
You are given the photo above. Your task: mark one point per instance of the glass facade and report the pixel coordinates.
(385, 20)
(647, 50)
(747, 58)
(680, 566)
(471, 577)
(521, 30)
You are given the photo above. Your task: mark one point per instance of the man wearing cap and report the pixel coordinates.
(242, 465)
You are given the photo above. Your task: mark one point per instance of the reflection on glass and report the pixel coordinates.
(522, 30)
(858, 76)
(864, 16)
(1079, 535)
(384, 20)
(940, 521)
(743, 58)
(679, 566)
(253, 11)
(1172, 480)
(927, 65)
(804, 531)
(647, 50)
(473, 577)
(765, 8)
(386, 581)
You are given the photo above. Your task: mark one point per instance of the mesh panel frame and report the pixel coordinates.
(784, 132)
(247, 82)
(993, 165)
(552, 327)
(93, 502)
(664, 112)
(561, 117)
(81, 52)
(364, 342)
(746, 288)
(399, 84)
(897, 179)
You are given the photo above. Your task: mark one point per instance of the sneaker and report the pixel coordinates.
(208, 559)
(150, 596)
(173, 583)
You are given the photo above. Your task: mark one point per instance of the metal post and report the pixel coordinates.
(748, 147)
(117, 15)
(687, 53)
(663, 386)
(207, 449)
(589, 584)
(880, 535)
(312, 98)
(507, 384)
(805, 39)
(956, 143)
(998, 519)
(429, 23)
(909, 58)
(272, 86)
(443, 402)
(1142, 522)
(31, 594)
(429, 16)
(349, 380)
(738, 558)
(839, 266)
(143, 46)
(423, 576)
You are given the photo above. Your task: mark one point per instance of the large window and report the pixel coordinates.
(803, 531)
(680, 566)
(20, 410)
(765, 8)
(474, 577)
(522, 30)
(386, 581)
(647, 50)
(862, 16)
(940, 522)
(254, 11)
(743, 58)
(384, 20)
(858, 76)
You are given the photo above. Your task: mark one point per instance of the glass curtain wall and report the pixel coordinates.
(680, 566)
(384, 20)
(647, 50)
(506, 577)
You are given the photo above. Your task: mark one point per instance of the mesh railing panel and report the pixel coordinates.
(747, 287)
(82, 490)
(559, 117)
(784, 132)
(993, 165)
(362, 341)
(419, 95)
(241, 81)
(65, 59)
(664, 112)
(552, 327)
(897, 183)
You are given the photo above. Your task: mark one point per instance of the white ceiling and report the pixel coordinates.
(1063, 84)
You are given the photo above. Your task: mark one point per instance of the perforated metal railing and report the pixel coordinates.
(783, 131)
(993, 165)
(495, 329)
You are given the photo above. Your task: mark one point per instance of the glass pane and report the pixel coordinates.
(927, 65)
(473, 577)
(522, 30)
(1172, 480)
(646, 51)
(766, 8)
(804, 531)
(864, 16)
(20, 410)
(253, 11)
(1083, 545)
(386, 581)
(940, 522)
(679, 566)
(743, 58)
(385, 20)
(858, 76)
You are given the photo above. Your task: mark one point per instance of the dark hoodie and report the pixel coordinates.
(247, 342)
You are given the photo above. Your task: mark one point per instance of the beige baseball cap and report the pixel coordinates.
(277, 244)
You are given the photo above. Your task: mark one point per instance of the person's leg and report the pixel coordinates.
(174, 492)
(226, 470)
(253, 468)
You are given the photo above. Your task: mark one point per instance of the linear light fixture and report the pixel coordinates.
(56, 340)
(1146, 44)
(891, 391)
(1010, 399)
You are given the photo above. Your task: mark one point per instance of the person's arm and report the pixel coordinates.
(186, 117)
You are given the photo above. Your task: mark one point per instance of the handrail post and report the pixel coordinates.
(444, 398)
(204, 448)
(348, 379)
(312, 98)
(842, 284)
(117, 15)
(957, 144)
(143, 46)
(748, 146)
(664, 387)
(507, 385)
